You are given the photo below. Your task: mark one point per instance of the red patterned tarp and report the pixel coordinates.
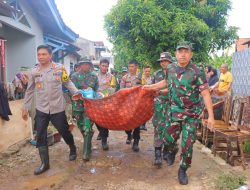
(124, 110)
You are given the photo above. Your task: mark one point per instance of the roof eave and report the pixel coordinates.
(65, 29)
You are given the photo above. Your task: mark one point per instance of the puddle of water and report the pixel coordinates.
(93, 170)
(116, 154)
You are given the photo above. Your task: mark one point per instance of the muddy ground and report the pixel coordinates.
(119, 168)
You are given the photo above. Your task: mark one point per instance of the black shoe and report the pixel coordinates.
(72, 153)
(128, 141)
(44, 156)
(105, 145)
(135, 146)
(99, 137)
(158, 159)
(6, 118)
(182, 176)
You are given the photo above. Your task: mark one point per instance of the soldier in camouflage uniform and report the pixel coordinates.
(130, 80)
(160, 115)
(84, 79)
(186, 82)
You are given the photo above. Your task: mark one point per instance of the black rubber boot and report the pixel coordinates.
(44, 156)
(87, 146)
(99, 137)
(158, 159)
(165, 152)
(129, 138)
(72, 152)
(135, 146)
(169, 156)
(105, 145)
(182, 176)
(143, 127)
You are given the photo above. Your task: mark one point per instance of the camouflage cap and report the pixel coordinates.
(165, 56)
(85, 61)
(185, 45)
(124, 69)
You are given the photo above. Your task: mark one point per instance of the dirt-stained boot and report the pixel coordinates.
(182, 176)
(44, 156)
(158, 159)
(72, 152)
(87, 146)
(169, 156)
(135, 146)
(99, 137)
(129, 138)
(105, 145)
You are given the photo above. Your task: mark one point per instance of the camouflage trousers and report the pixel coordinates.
(160, 118)
(188, 129)
(83, 122)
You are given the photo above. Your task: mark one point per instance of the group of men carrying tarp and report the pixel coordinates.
(175, 90)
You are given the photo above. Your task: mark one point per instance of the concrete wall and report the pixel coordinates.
(20, 51)
(14, 130)
(87, 48)
(69, 59)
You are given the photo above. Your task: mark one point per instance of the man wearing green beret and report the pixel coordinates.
(84, 78)
(186, 84)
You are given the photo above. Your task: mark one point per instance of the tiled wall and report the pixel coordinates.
(241, 73)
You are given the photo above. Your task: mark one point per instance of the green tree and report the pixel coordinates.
(216, 61)
(142, 29)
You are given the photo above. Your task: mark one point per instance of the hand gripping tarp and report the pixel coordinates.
(125, 110)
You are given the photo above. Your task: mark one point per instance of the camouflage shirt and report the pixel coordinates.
(185, 85)
(129, 81)
(83, 81)
(159, 76)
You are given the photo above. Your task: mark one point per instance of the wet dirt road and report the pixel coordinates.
(119, 168)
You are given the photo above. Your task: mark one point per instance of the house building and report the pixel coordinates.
(26, 24)
(95, 51)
